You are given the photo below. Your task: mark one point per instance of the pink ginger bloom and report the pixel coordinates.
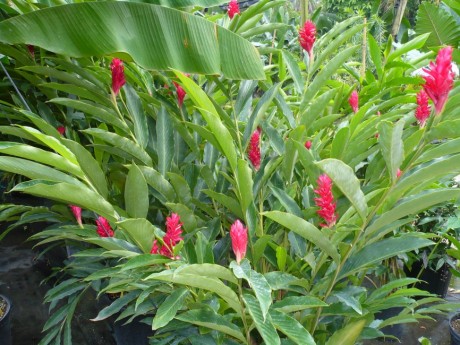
(308, 144)
(171, 238)
(398, 173)
(118, 75)
(77, 213)
(239, 237)
(61, 130)
(254, 149)
(325, 201)
(233, 8)
(353, 100)
(307, 36)
(422, 113)
(439, 79)
(103, 227)
(180, 94)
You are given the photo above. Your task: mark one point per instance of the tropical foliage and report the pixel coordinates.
(183, 140)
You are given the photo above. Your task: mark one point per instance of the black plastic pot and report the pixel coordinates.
(435, 282)
(5, 323)
(454, 335)
(133, 333)
(394, 330)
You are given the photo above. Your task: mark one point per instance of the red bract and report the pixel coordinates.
(171, 238)
(118, 75)
(103, 227)
(439, 79)
(308, 144)
(307, 36)
(61, 130)
(398, 173)
(353, 100)
(31, 50)
(239, 237)
(233, 8)
(422, 113)
(180, 94)
(254, 149)
(325, 201)
(77, 213)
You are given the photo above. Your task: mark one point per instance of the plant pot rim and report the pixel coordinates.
(8, 306)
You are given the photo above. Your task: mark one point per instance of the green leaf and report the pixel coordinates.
(136, 193)
(209, 319)
(134, 104)
(306, 230)
(345, 179)
(69, 194)
(347, 335)
(316, 109)
(292, 328)
(375, 53)
(444, 130)
(263, 325)
(294, 71)
(169, 308)
(322, 77)
(141, 231)
(226, 201)
(439, 24)
(381, 250)
(392, 146)
(165, 141)
(415, 43)
(209, 270)
(165, 38)
(289, 204)
(297, 303)
(257, 282)
(158, 182)
(144, 260)
(245, 184)
(116, 306)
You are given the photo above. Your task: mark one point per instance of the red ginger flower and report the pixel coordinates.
(118, 75)
(239, 237)
(353, 100)
(325, 201)
(103, 227)
(61, 130)
(254, 149)
(308, 144)
(77, 213)
(180, 94)
(233, 8)
(171, 238)
(422, 113)
(31, 50)
(398, 173)
(439, 79)
(307, 36)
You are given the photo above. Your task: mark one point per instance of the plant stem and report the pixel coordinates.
(243, 313)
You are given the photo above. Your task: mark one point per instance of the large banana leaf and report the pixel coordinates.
(155, 37)
(440, 23)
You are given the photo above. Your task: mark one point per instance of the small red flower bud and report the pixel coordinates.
(308, 144)
(77, 213)
(398, 173)
(307, 36)
(353, 100)
(103, 227)
(239, 237)
(233, 8)
(61, 130)
(180, 94)
(118, 75)
(254, 149)
(325, 201)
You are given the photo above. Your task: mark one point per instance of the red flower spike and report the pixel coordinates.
(77, 213)
(154, 249)
(308, 144)
(233, 8)
(254, 149)
(353, 100)
(398, 173)
(171, 238)
(118, 75)
(325, 201)
(103, 227)
(180, 94)
(31, 50)
(239, 237)
(439, 79)
(61, 130)
(307, 36)
(422, 113)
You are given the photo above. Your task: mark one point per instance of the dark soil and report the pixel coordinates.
(456, 325)
(3, 308)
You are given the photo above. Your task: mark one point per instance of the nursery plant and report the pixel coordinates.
(224, 200)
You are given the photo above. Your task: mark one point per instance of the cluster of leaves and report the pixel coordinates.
(136, 157)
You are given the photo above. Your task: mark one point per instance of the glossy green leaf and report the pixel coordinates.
(294, 71)
(297, 303)
(209, 270)
(165, 38)
(292, 328)
(264, 325)
(165, 141)
(169, 308)
(245, 184)
(347, 335)
(345, 179)
(139, 118)
(141, 231)
(375, 54)
(136, 193)
(304, 229)
(227, 201)
(158, 182)
(209, 319)
(415, 43)
(392, 146)
(116, 306)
